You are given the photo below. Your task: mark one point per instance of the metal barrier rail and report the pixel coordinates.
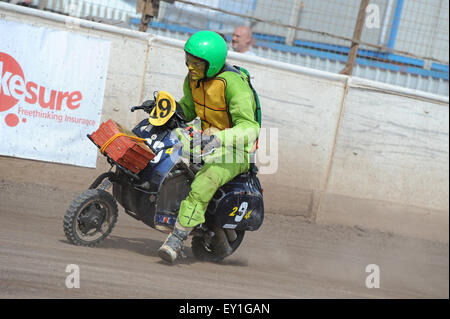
(385, 67)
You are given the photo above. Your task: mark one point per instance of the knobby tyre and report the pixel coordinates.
(90, 218)
(206, 252)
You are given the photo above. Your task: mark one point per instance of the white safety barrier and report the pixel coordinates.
(347, 150)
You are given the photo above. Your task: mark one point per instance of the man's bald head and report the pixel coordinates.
(242, 39)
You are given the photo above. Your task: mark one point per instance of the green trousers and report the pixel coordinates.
(205, 184)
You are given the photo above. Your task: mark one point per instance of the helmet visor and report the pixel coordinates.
(196, 67)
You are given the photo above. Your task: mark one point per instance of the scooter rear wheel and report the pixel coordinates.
(90, 218)
(206, 252)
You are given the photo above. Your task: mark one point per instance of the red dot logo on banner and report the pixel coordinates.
(11, 120)
(9, 70)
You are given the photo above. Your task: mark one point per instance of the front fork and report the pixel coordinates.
(104, 181)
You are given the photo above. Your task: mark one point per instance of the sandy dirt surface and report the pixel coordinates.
(288, 257)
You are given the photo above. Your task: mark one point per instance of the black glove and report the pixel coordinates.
(209, 142)
(206, 142)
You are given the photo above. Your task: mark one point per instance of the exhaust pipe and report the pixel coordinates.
(222, 246)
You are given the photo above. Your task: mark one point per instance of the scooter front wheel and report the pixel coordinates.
(90, 218)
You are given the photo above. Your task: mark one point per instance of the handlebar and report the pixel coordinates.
(206, 154)
(134, 108)
(147, 106)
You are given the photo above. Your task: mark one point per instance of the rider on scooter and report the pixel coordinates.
(221, 96)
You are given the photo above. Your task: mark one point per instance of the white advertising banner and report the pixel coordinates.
(51, 93)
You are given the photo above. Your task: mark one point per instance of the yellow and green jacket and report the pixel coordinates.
(225, 102)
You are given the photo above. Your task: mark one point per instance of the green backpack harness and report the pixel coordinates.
(246, 75)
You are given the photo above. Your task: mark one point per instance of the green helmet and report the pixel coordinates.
(208, 46)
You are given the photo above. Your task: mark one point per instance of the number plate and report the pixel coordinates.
(164, 109)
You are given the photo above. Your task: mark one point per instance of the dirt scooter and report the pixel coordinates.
(153, 194)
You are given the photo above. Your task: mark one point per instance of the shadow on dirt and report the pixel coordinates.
(144, 246)
(235, 262)
(149, 247)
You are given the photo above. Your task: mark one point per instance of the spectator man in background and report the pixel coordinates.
(242, 40)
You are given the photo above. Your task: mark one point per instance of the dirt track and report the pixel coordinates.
(287, 258)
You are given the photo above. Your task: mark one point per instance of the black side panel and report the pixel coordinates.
(125, 194)
(238, 204)
(147, 209)
(174, 189)
(239, 212)
(134, 201)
